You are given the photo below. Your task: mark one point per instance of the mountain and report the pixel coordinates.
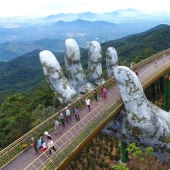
(82, 31)
(150, 30)
(117, 16)
(54, 45)
(83, 27)
(121, 16)
(24, 73)
(10, 50)
(129, 48)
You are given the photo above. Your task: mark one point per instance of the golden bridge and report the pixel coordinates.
(76, 135)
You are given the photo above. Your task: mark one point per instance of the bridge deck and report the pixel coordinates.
(28, 156)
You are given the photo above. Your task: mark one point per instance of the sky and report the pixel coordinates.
(10, 8)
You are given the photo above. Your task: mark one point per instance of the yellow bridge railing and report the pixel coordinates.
(16, 148)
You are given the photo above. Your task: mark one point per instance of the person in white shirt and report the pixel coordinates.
(87, 101)
(57, 127)
(50, 145)
(68, 115)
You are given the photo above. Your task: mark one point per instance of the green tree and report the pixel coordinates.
(139, 156)
(120, 167)
(105, 74)
(148, 52)
(42, 95)
(15, 116)
(138, 59)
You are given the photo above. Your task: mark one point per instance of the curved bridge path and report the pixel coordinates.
(37, 160)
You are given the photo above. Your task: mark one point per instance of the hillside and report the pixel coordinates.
(128, 49)
(24, 73)
(10, 50)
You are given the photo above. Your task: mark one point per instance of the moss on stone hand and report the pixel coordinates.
(135, 117)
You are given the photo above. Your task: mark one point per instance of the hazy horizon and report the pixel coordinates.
(30, 8)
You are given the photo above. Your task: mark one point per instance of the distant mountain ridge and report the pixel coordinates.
(83, 27)
(10, 50)
(87, 30)
(113, 16)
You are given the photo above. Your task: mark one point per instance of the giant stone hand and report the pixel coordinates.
(142, 122)
(77, 83)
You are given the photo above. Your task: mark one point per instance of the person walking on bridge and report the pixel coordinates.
(95, 95)
(57, 127)
(87, 101)
(77, 114)
(137, 72)
(104, 93)
(156, 63)
(40, 144)
(34, 144)
(61, 116)
(50, 145)
(68, 115)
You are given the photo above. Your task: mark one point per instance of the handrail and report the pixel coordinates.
(15, 147)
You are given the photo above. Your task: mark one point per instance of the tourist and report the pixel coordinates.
(87, 102)
(50, 145)
(44, 146)
(40, 144)
(56, 127)
(95, 95)
(104, 93)
(156, 63)
(77, 114)
(68, 115)
(137, 72)
(61, 116)
(47, 134)
(34, 144)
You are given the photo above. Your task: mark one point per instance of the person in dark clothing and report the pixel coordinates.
(34, 144)
(61, 116)
(95, 95)
(77, 114)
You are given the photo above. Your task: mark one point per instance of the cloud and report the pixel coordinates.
(48, 7)
(56, 6)
(65, 5)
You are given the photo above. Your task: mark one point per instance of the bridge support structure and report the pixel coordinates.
(167, 92)
(124, 158)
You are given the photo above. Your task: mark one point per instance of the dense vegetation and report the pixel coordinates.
(104, 153)
(21, 112)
